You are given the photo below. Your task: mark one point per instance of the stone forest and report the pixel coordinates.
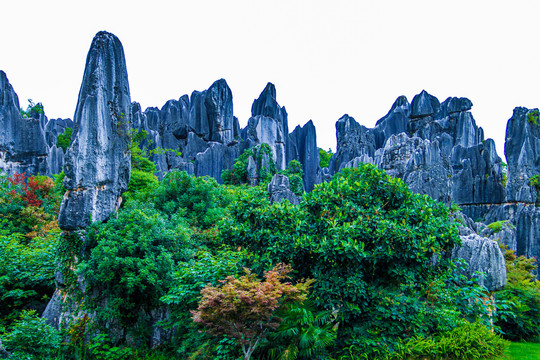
(173, 233)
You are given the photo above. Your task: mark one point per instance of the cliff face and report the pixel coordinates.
(22, 140)
(435, 147)
(438, 150)
(97, 164)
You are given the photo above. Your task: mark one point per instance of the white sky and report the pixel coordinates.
(326, 58)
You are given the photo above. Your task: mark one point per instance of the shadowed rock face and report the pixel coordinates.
(22, 140)
(97, 164)
(303, 147)
(522, 150)
(442, 153)
(268, 124)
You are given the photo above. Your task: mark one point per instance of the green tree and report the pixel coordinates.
(262, 156)
(372, 246)
(64, 139)
(520, 299)
(295, 174)
(130, 264)
(325, 157)
(245, 308)
(31, 337)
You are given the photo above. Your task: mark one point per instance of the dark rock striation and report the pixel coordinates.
(97, 164)
(22, 140)
(438, 150)
(302, 146)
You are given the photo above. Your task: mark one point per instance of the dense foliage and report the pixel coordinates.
(522, 296)
(253, 166)
(63, 140)
(374, 249)
(325, 157)
(382, 287)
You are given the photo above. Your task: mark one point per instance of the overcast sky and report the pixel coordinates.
(326, 58)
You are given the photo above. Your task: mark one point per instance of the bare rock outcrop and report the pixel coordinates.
(97, 164)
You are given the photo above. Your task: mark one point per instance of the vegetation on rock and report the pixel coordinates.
(381, 286)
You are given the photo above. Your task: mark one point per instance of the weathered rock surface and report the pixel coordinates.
(482, 255)
(302, 146)
(22, 140)
(353, 141)
(442, 154)
(199, 135)
(279, 190)
(97, 164)
(268, 124)
(522, 150)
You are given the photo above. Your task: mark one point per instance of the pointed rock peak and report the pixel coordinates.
(8, 97)
(345, 124)
(97, 164)
(346, 118)
(268, 92)
(266, 104)
(424, 105)
(220, 86)
(400, 102)
(221, 83)
(454, 104)
(3, 77)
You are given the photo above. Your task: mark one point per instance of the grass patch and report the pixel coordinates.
(523, 351)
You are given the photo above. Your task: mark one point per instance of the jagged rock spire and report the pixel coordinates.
(22, 141)
(97, 164)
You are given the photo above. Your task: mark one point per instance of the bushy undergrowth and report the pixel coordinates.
(382, 287)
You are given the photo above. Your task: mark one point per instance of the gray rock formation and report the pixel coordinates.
(279, 190)
(97, 164)
(522, 150)
(22, 141)
(482, 255)
(199, 135)
(268, 124)
(302, 146)
(443, 153)
(353, 141)
(395, 122)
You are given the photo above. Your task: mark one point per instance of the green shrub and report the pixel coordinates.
(325, 157)
(130, 263)
(369, 243)
(33, 110)
(532, 116)
(534, 181)
(31, 338)
(497, 226)
(466, 342)
(64, 139)
(102, 349)
(199, 199)
(294, 173)
(521, 321)
(239, 175)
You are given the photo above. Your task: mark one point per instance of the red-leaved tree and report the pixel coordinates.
(244, 308)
